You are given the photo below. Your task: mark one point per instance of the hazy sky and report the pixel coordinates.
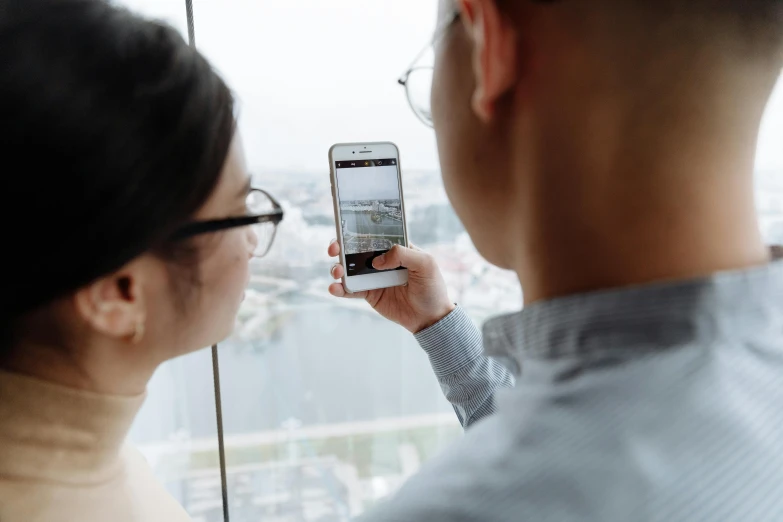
(368, 183)
(310, 73)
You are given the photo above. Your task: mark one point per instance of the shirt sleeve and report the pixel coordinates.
(468, 378)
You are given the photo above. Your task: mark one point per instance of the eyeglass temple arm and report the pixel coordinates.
(404, 78)
(275, 203)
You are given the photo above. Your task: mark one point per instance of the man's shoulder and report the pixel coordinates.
(547, 454)
(482, 477)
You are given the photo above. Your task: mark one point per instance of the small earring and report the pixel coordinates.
(138, 331)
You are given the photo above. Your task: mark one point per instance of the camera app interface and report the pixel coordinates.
(370, 211)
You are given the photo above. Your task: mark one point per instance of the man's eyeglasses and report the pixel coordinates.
(417, 80)
(264, 213)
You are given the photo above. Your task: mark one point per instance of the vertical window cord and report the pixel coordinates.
(215, 362)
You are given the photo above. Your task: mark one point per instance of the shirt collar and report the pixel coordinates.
(639, 319)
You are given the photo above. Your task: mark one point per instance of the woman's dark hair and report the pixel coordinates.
(113, 133)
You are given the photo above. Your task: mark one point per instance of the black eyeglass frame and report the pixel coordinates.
(403, 80)
(216, 225)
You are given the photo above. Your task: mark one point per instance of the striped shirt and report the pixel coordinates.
(660, 403)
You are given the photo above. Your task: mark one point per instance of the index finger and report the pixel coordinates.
(334, 248)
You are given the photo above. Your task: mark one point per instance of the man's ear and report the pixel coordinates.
(494, 53)
(113, 305)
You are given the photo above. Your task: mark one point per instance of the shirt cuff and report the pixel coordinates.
(452, 343)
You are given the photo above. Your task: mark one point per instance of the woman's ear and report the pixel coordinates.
(114, 305)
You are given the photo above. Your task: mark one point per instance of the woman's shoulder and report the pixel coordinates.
(133, 495)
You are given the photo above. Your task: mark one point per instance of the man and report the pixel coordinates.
(604, 151)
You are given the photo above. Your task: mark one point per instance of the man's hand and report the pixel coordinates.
(420, 304)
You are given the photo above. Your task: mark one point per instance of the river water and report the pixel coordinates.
(321, 365)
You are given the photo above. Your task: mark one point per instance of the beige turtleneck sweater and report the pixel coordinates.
(63, 458)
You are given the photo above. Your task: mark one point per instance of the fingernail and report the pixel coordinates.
(379, 261)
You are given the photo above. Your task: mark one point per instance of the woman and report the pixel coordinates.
(126, 243)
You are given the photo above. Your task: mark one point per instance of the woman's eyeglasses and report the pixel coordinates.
(417, 80)
(264, 213)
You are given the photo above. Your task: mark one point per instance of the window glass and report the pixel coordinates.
(327, 407)
(769, 169)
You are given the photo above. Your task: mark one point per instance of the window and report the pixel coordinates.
(769, 169)
(327, 407)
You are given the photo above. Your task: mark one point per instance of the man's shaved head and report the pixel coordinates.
(751, 27)
(601, 117)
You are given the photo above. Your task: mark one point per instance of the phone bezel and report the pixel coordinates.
(379, 150)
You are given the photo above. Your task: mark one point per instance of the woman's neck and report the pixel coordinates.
(100, 370)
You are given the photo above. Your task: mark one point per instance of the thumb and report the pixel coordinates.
(400, 256)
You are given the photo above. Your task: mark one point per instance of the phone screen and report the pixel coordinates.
(370, 211)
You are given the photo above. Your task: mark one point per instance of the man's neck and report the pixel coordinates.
(678, 207)
(662, 247)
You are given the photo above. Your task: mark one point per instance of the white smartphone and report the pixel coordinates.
(369, 211)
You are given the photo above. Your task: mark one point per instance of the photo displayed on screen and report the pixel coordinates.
(370, 211)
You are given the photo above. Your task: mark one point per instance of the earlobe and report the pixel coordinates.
(483, 108)
(138, 331)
